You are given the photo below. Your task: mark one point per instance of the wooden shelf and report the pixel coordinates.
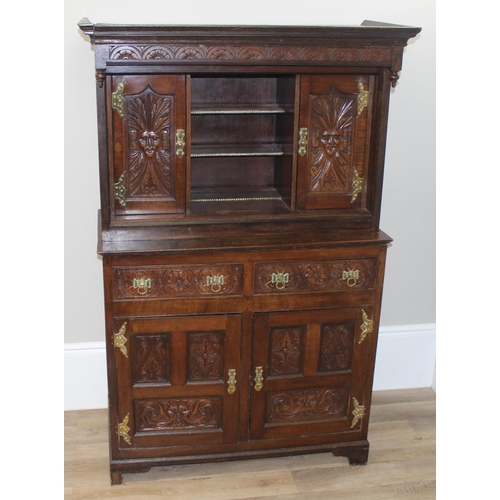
(226, 151)
(249, 109)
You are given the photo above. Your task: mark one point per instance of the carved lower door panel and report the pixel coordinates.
(177, 380)
(333, 142)
(308, 368)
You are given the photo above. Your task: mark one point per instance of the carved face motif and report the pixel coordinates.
(331, 142)
(149, 142)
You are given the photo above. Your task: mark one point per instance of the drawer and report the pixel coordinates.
(314, 276)
(177, 281)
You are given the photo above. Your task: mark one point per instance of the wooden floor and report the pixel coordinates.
(401, 464)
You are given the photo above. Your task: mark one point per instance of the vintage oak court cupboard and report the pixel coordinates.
(241, 178)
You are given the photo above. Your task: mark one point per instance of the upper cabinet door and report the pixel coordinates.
(147, 149)
(333, 141)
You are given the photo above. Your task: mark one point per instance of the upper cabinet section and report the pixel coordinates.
(236, 124)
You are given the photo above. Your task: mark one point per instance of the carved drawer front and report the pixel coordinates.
(314, 276)
(177, 281)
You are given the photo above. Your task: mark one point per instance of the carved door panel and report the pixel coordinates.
(333, 141)
(311, 365)
(176, 384)
(147, 154)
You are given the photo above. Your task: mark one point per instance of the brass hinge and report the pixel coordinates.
(119, 190)
(357, 184)
(363, 97)
(124, 429)
(303, 141)
(358, 412)
(117, 99)
(119, 339)
(366, 326)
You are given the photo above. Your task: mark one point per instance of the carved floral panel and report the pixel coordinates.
(178, 414)
(170, 282)
(151, 358)
(286, 346)
(148, 123)
(336, 347)
(333, 118)
(315, 275)
(300, 405)
(205, 355)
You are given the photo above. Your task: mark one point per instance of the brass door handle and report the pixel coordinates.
(179, 142)
(231, 382)
(303, 141)
(259, 380)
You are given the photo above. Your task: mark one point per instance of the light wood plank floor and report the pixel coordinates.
(401, 464)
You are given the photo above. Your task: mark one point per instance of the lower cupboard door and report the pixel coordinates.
(177, 380)
(308, 372)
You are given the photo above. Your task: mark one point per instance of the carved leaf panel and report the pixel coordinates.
(151, 358)
(205, 355)
(286, 350)
(336, 348)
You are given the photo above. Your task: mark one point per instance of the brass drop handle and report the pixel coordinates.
(179, 142)
(231, 382)
(259, 380)
(280, 280)
(142, 285)
(351, 277)
(303, 141)
(215, 283)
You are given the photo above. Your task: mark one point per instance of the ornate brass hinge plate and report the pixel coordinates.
(358, 412)
(119, 190)
(259, 380)
(366, 326)
(117, 99)
(179, 142)
(363, 97)
(119, 340)
(124, 429)
(357, 185)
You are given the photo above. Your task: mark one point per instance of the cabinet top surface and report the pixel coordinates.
(114, 33)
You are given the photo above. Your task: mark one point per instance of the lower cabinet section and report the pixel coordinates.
(247, 375)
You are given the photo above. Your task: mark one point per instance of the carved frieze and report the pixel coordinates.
(178, 414)
(314, 404)
(170, 282)
(207, 52)
(315, 275)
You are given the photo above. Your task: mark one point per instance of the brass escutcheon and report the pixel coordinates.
(303, 141)
(179, 142)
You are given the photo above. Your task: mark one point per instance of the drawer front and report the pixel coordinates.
(314, 276)
(177, 281)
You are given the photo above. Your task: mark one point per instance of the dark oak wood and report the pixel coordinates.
(241, 171)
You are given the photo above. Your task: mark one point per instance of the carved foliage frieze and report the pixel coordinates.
(304, 405)
(336, 347)
(170, 282)
(148, 125)
(286, 346)
(151, 358)
(178, 414)
(275, 53)
(205, 355)
(315, 275)
(333, 118)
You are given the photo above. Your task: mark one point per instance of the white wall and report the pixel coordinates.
(409, 189)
